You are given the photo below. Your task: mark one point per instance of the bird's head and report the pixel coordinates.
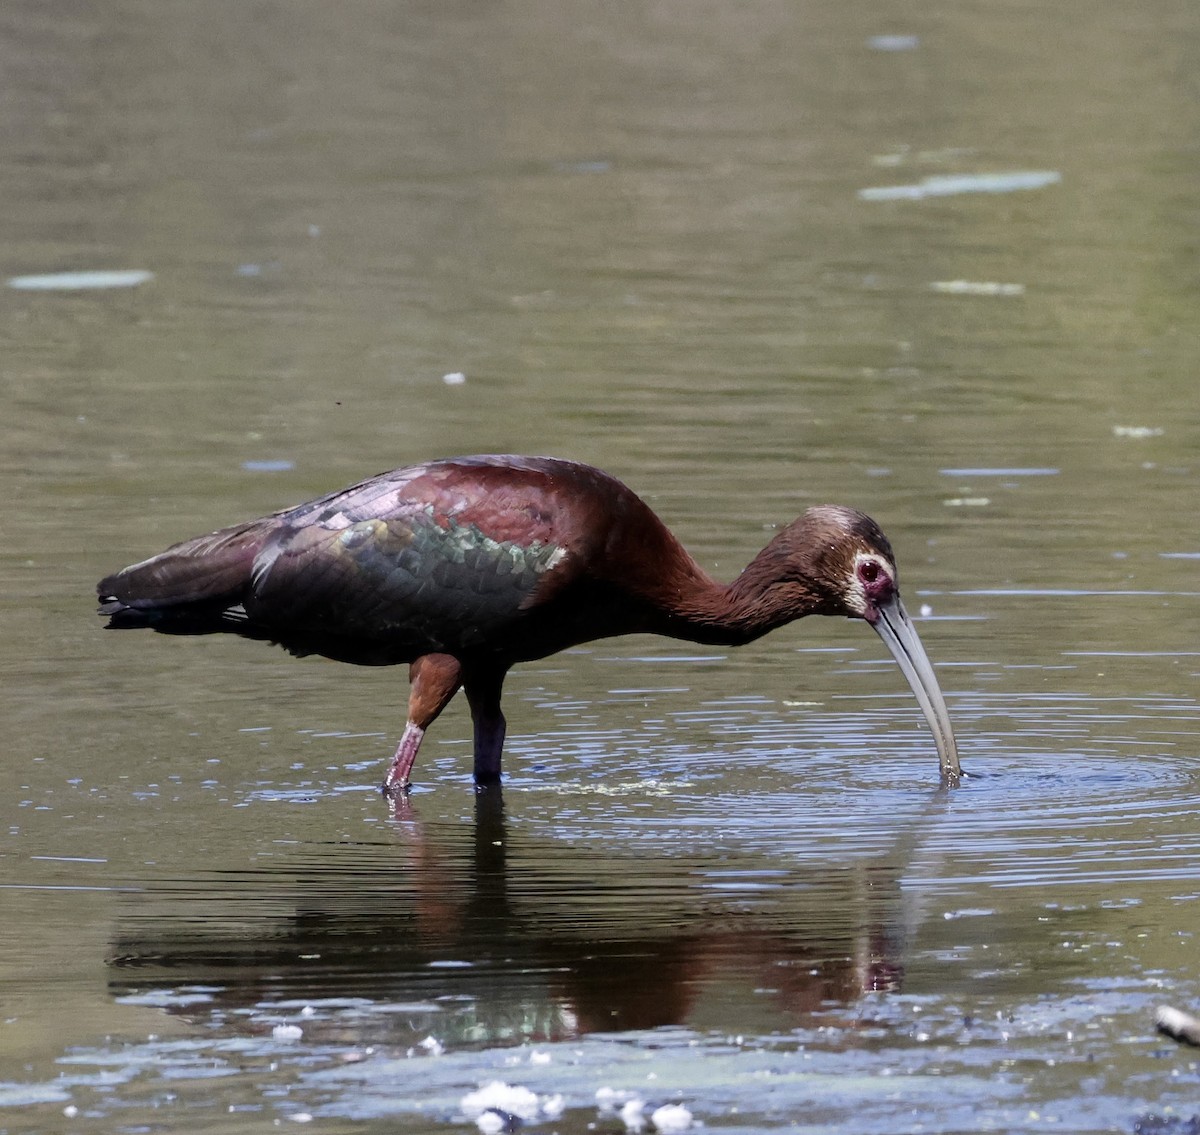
(848, 563)
(846, 559)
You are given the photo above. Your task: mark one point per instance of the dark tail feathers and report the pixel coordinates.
(195, 587)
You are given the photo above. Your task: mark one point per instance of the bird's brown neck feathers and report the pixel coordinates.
(767, 594)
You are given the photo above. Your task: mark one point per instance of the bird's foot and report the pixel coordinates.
(400, 808)
(955, 779)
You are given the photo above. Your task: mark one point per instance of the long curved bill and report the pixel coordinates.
(896, 629)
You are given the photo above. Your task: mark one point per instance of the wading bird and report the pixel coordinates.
(466, 566)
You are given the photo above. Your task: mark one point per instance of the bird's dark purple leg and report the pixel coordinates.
(483, 693)
(433, 680)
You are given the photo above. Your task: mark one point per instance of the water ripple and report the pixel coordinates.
(1062, 788)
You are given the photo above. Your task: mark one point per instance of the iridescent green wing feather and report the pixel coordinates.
(438, 584)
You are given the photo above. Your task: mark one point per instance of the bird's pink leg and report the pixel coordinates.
(483, 692)
(402, 762)
(433, 680)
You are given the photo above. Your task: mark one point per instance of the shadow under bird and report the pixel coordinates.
(466, 566)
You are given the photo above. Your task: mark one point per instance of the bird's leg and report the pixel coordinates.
(483, 693)
(406, 752)
(433, 680)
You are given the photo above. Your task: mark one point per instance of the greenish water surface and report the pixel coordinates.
(936, 261)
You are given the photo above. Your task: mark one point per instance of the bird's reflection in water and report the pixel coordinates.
(479, 933)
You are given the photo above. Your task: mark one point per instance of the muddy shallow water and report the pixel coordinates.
(934, 265)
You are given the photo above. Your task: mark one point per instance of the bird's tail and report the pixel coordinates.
(195, 587)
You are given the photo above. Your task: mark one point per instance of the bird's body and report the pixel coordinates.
(466, 566)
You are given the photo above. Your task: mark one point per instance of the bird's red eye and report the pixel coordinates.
(868, 571)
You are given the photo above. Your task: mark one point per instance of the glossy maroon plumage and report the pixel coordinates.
(466, 566)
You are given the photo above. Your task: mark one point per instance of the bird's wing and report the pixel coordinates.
(404, 573)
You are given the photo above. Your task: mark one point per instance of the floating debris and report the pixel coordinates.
(1177, 1024)
(1001, 471)
(894, 42)
(80, 281)
(905, 155)
(1138, 431)
(976, 288)
(951, 184)
(492, 1122)
(454, 378)
(499, 1097)
(287, 1032)
(670, 1118)
(279, 466)
(632, 1114)
(967, 502)
(253, 270)
(598, 165)
(607, 1098)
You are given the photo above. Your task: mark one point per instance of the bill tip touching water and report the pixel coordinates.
(463, 567)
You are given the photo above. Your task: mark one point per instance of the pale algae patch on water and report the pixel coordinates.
(94, 280)
(949, 185)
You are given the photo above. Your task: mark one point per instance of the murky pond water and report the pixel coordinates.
(936, 261)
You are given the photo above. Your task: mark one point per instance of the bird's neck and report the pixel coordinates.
(760, 599)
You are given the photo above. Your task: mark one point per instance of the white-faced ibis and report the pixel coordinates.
(466, 566)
